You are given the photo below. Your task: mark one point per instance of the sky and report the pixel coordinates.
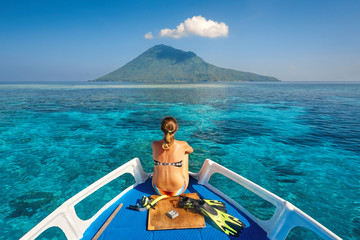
(77, 40)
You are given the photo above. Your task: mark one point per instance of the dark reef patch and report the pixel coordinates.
(30, 203)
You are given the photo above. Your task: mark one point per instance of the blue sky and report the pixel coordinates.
(81, 40)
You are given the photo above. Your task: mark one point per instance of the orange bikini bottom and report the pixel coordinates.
(176, 193)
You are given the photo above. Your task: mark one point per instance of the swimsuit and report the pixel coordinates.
(162, 192)
(175, 164)
(176, 193)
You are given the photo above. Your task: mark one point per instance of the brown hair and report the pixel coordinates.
(169, 126)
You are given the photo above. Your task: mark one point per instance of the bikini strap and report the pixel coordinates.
(176, 164)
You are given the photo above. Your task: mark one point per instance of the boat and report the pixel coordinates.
(130, 224)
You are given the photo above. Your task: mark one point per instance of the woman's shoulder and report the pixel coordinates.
(155, 143)
(185, 146)
(182, 143)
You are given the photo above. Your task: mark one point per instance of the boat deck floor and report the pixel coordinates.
(130, 224)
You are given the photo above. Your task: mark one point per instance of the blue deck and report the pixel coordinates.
(130, 224)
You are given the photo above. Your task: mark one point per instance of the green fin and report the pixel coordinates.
(216, 204)
(227, 223)
(187, 202)
(213, 210)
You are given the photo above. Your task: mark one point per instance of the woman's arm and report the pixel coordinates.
(185, 169)
(188, 149)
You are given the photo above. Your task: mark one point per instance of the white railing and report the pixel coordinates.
(65, 216)
(286, 216)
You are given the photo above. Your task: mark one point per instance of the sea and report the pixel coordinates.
(299, 140)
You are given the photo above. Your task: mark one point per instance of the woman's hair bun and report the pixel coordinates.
(169, 126)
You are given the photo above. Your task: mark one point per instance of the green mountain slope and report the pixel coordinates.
(166, 64)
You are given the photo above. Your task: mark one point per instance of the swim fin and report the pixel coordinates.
(188, 203)
(216, 204)
(227, 223)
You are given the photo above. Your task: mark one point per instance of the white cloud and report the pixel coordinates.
(149, 35)
(197, 26)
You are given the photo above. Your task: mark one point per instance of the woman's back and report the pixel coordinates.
(171, 175)
(171, 155)
(171, 166)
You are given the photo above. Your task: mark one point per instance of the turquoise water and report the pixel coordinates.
(301, 141)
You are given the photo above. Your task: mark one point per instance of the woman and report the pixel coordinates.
(171, 161)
